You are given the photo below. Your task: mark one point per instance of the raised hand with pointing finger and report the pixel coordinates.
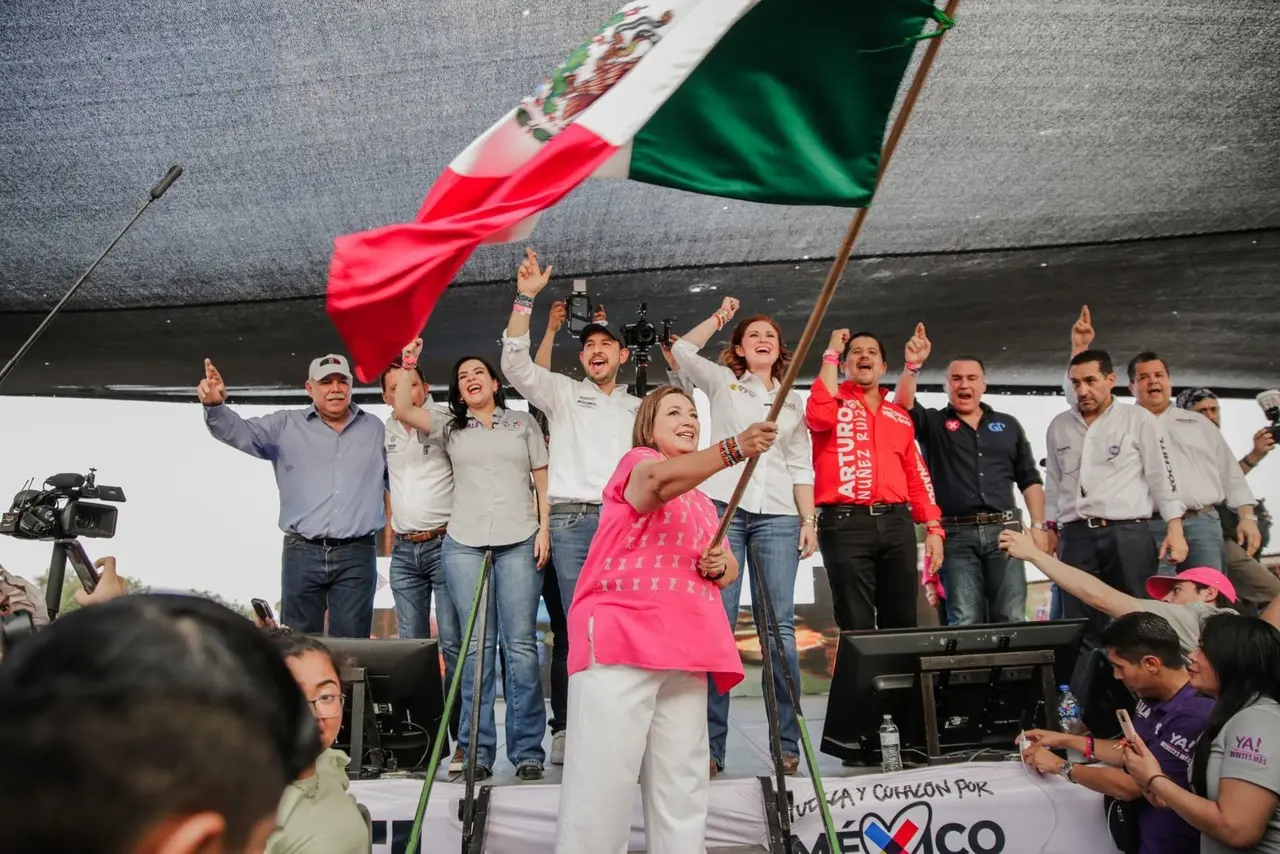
(212, 391)
(918, 347)
(1082, 333)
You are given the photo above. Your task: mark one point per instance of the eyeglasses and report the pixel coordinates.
(328, 705)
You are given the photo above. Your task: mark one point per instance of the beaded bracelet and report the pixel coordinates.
(730, 453)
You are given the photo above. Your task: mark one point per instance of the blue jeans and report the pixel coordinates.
(338, 579)
(571, 535)
(770, 545)
(515, 587)
(417, 571)
(1203, 533)
(983, 584)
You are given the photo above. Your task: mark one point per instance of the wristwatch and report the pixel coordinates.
(1065, 770)
(1039, 526)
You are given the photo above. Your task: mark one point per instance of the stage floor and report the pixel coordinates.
(747, 750)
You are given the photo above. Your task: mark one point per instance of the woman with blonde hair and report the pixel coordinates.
(647, 632)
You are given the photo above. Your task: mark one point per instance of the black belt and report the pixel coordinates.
(335, 542)
(983, 518)
(1188, 513)
(575, 508)
(844, 510)
(1095, 522)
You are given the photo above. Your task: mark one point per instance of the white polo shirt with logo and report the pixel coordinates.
(590, 430)
(419, 474)
(736, 404)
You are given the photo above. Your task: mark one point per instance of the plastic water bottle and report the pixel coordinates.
(890, 747)
(1069, 712)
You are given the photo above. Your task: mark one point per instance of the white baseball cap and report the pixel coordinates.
(328, 366)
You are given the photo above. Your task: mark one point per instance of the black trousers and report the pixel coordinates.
(872, 566)
(1124, 556)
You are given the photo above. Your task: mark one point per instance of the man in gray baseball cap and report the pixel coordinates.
(330, 467)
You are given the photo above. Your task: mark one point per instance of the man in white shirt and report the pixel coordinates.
(590, 421)
(1107, 467)
(419, 499)
(1204, 467)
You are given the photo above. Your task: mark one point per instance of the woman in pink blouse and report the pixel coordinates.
(646, 631)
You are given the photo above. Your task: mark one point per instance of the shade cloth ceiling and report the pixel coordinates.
(1124, 154)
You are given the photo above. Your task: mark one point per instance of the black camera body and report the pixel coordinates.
(59, 511)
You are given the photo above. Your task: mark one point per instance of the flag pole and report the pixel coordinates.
(834, 274)
(838, 264)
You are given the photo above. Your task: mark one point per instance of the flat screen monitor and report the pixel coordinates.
(878, 673)
(406, 688)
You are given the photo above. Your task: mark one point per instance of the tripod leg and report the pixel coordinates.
(769, 640)
(455, 685)
(477, 692)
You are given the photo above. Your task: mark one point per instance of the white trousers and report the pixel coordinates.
(624, 721)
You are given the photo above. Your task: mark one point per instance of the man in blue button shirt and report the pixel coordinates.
(331, 470)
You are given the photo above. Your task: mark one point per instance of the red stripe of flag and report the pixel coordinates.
(384, 283)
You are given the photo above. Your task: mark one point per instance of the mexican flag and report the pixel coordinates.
(774, 101)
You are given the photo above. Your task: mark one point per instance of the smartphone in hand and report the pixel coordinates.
(265, 615)
(1126, 726)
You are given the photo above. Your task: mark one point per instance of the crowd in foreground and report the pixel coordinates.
(616, 516)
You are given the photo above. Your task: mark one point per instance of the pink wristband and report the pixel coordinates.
(408, 364)
(831, 357)
(521, 308)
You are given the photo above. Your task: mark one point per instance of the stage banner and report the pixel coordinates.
(967, 808)
(970, 808)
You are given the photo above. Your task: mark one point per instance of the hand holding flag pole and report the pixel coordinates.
(838, 265)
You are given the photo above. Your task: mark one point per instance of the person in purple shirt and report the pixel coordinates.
(1170, 717)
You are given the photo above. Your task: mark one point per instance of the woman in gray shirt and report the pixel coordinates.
(494, 452)
(1234, 799)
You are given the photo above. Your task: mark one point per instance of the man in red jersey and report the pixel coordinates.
(870, 482)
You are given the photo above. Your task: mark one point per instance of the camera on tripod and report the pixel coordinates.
(60, 513)
(642, 335)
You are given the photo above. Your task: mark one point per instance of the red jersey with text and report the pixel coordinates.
(865, 457)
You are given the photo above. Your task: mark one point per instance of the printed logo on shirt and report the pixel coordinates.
(739, 387)
(586, 402)
(1249, 748)
(1168, 466)
(1179, 746)
(952, 424)
(899, 417)
(393, 445)
(996, 426)
(853, 452)
(1113, 451)
(1060, 451)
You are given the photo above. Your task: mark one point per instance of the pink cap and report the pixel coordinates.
(1158, 586)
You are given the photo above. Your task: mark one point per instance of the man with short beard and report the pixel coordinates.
(870, 483)
(1107, 467)
(590, 422)
(330, 468)
(976, 456)
(1204, 468)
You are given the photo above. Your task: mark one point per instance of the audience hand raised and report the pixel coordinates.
(529, 279)
(110, 586)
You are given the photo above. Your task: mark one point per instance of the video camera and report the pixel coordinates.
(60, 513)
(1269, 401)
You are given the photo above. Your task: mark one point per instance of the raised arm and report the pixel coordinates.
(821, 407)
(699, 335)
(917, 353)
(1082, 336)
(402, 408)
(555, 319)
(655, 482)
(536, 384)
(257, 437)
(1089, 589)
